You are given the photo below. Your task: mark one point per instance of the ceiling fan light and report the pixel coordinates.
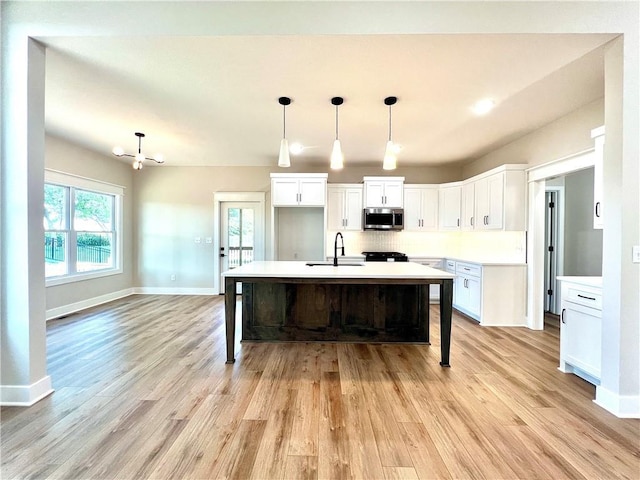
(337, 158)
(283, 158)
(137, 165)
(118, 151)
(390, 160)
(140, 157)
(159, 158)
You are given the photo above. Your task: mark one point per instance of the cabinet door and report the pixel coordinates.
(580, 334)
(353, 209)
(449, 208)
(429, 208)
(284, 192)
(393, 194)
(460, 292)
(335, 208)
(468, 202)
(597, 183)
(474, 288)
(495, 202)
(312, 192)
(373, 194)
(413, 209)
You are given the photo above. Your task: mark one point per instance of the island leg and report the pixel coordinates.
(446, 306)
(230, 316)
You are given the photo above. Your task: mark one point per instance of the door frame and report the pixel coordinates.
(559, 238)
(218, 199)
(536, 179)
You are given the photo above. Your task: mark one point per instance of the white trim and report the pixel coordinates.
(562, 166)
(174, 291)
(218, 198)
(58, 312)
(536, 177)
(78, 277)
(25, 395)
(622, 406)
(69, 179)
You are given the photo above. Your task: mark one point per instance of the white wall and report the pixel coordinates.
(65, 157)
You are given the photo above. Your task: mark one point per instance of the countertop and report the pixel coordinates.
(286, 269)
(417, 258)
(588, 281)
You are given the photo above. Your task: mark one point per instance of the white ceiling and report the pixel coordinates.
(213, 100)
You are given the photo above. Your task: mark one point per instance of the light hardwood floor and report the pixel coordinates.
(142, 391)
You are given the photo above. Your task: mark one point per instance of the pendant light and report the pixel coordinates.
(390, 160)
(283, 158)
(337, 158)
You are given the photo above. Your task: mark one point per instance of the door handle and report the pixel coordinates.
(222, 255)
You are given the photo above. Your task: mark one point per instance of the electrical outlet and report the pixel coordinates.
(197, 240)
(173, 278)
(635, 254)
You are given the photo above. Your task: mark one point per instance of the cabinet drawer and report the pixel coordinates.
(450, 266)
(584, 297)
(468, 269)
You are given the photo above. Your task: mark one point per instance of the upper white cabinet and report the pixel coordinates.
(421, 207)
(344, 207)
(292, 190)
(495, 200)
(598, 136)
(383, 192)
(450, 195)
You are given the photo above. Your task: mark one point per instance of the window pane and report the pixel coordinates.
(93, 211)
(55, 254)
(55, 202)
(93, 251)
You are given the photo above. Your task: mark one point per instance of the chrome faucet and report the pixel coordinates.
(335, 249)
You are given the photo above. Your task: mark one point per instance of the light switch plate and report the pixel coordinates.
(636, 254)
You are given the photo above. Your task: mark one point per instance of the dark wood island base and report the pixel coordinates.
(337, 309)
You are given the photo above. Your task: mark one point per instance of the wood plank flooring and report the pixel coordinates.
(142, 391)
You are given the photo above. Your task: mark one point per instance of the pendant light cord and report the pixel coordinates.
(284, 121)
(336, 122)
(139, 144)
(389, 122)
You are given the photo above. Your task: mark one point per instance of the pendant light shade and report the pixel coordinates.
(283, 158)
(337, 158)
(390, 160)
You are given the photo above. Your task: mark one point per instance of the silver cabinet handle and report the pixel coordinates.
(562, 315)
(471, 221)
(458, 222)
(598, 209)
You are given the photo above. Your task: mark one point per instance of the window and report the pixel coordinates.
(81, 219)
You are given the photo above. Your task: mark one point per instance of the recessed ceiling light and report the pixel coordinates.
(484, 106)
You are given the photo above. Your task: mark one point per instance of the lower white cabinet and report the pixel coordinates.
(492, 294)
(434, 290)
(581, 327)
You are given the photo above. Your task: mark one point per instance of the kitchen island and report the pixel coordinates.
(363, 302)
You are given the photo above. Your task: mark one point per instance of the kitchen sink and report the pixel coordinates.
(330, 264)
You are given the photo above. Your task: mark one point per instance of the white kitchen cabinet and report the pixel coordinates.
(468, 288)
(495, 200)
(581, 327)
(290, 190)
(493, 294)
(421, 207)
(344, 207)
(468, 205)
(449, 206)
(598, 136)
(383, 192)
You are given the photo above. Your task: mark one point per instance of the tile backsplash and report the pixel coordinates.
(488, 246)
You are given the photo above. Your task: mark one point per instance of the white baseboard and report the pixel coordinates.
(175, 291)
(25, 395)
(622, 406)
(88, 303)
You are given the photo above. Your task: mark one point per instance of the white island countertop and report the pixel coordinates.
(383, 270)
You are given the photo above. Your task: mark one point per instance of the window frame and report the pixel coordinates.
(74, 182)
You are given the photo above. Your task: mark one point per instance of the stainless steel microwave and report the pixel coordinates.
(383, 219)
